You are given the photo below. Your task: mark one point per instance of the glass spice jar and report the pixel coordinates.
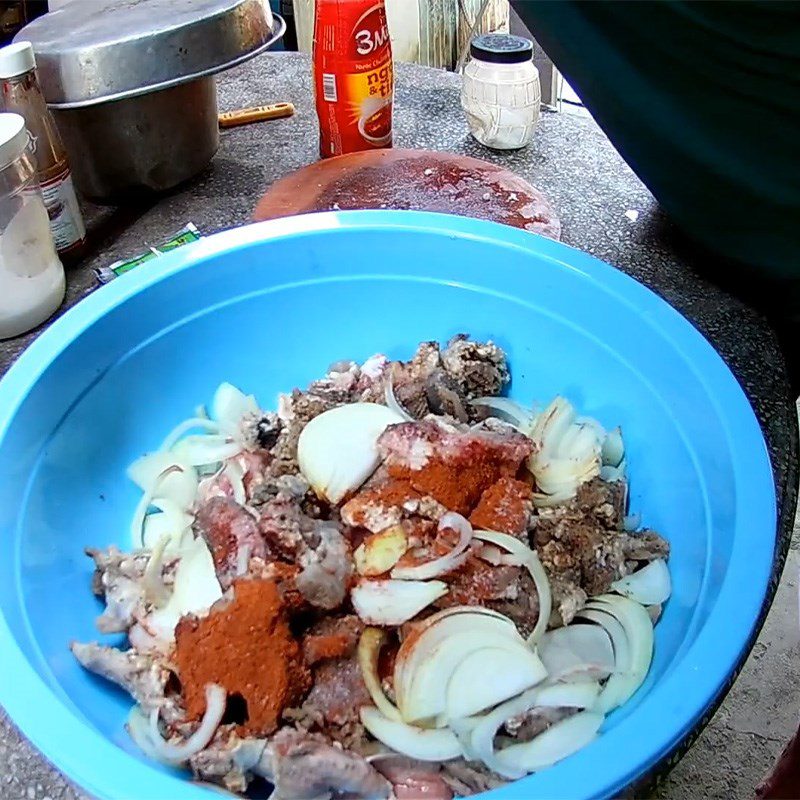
(500, 93)
(20, 93)
(31, 274)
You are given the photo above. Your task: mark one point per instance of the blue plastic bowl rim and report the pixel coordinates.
(685, 694)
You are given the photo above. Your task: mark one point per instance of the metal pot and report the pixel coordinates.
(138, 112)
(150, 143)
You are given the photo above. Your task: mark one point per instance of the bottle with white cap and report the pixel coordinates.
(31, 274)
(21, 94)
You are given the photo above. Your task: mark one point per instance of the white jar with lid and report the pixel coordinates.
(500, 93)
(31, 274)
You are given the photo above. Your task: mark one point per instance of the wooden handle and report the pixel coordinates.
(244, 116)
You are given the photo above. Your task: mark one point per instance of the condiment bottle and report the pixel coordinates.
(353, 76)
(31, 275)
(500, 93)
(21, 94)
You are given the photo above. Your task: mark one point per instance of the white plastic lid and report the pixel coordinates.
(13, 138)
(16, 59)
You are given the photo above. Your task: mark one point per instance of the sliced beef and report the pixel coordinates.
(286, 529)
(505, 506)
(421, 385)
(304, 766)
(603, 502)
(477, 582)
(645, 545)
(316, 547)
(466, 778)
(479, 369)
(338, 692)
(295, 411)
(228, 760)
(325, 569)
(332, 637)
(232, 535)
(523, 607)
(505, 589)
(583, 549)
(454, 467)
(414, 780)
(332, 706)
(143, 677)
(383, 505)
(410, 379)
(118, 580)
(445, 397)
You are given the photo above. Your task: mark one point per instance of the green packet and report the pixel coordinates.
(186, 235)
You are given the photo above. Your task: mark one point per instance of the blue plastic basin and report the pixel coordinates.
(268, 307)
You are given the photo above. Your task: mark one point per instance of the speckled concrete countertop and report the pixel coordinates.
(592, 189)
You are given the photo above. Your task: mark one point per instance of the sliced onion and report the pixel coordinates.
(179, 517)
(234, 472)
(613, 474)
(534, 566)
(391, 602)
(650, 586)
(369, 648)
(579, 441)
(157, 526)
(230, 405)
(613, 450)
(184, 427)
(509, 411)
(445, 563)
(176, 481)
(541, 500)
(494, 556)
(137, 523)
(338, 450)
(155, 591)
(483, 734)
(582, 694)
(620, 684)
(427, 659)
(512, 670)
(638, 630)
(566, 452)
(558, 475)
(552, 424)
(203, 449)
(577, 652)
(138, 726)
(216, 697)
(419, 743)
(195, 589)
(463, 728)
(391, 399)
(408, 653)
(556, 743)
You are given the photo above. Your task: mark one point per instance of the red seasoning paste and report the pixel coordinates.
(504, 507)
(353, 78)
(246, 647)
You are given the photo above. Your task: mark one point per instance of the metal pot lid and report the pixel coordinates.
(94, 52)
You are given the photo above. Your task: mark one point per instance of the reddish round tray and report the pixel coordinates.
(423, 180)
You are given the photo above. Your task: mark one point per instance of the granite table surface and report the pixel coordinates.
(571, 160)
